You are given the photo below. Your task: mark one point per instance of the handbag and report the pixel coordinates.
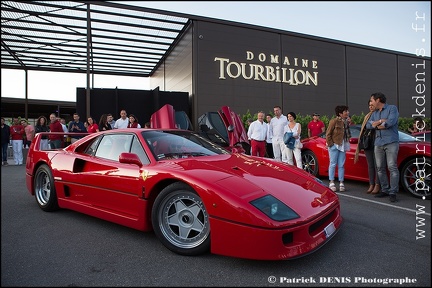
(367, 139)
(289, 140)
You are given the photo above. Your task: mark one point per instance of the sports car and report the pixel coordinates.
(196, 196)
(414, 161)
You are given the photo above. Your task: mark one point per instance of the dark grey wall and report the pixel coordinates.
(347, 73)
(231, 43)
(332, 85)
(370, 71)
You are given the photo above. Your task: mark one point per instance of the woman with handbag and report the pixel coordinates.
(366, 143)
(337, 141)
(295, 129)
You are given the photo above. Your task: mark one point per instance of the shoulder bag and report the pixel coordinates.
(367, 139)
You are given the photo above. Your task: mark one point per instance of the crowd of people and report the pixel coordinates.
(21, 133)
(277, 137)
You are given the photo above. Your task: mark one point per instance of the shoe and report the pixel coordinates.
(381, 195)
(341, 187)
(376, 189)
(371, 188)
(332, 186)
(393, 198)
(5, 163)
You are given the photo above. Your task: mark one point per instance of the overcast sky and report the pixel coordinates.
(387, 25)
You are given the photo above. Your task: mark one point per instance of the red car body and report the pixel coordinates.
(414, 161)
(201, 199)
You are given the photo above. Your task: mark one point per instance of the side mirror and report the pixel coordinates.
(130, 158)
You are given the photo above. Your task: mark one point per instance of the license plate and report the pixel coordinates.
(329, 230)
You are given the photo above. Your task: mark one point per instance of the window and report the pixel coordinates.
(137, 149)
(112, 145)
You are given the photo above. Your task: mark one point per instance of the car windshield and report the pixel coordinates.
(404, 137)
(176, 144)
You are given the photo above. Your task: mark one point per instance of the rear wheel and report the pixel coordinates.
(44, 189)
(180, 220)
(415, 177)
(310, 162)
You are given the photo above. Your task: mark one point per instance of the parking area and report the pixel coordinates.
(378, 241)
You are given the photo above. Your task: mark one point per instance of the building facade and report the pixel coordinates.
(253, 68)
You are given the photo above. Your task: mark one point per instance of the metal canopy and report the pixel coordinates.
(95, 37)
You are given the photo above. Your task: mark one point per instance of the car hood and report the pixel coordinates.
(242, 179)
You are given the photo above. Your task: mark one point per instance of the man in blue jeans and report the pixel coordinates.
(385, 121)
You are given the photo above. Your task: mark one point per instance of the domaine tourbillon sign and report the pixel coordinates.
(292, 71)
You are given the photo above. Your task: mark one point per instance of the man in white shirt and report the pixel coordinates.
(66, 139)
(257, 134)
(123, 121)
(277, 125)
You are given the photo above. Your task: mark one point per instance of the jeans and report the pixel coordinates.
(55, 144)
(4, 148)
(372, 171)
(386, 157)
(17, 146)
(337, 157)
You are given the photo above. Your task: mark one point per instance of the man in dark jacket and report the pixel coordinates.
(5, 138)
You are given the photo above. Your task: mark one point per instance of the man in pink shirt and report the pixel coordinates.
(29, 133)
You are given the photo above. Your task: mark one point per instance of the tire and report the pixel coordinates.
(415, 177)
(44, 189)
(180, 220)
(310, 162)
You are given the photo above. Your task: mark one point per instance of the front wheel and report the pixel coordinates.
(44, 189)
(415, 177)
(180, 220)
(310, 162)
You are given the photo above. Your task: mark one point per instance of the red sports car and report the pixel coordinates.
(414, 161)
(196, 196)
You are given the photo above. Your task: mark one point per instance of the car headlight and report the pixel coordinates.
(274, 208)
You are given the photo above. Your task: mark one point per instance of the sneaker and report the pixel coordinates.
(341, 187)
(5, 163)
(332, 186)
(381, 195)
(393, 198)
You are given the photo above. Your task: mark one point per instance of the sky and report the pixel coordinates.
(387, 25)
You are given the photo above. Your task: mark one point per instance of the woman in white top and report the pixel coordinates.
(295, 128)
